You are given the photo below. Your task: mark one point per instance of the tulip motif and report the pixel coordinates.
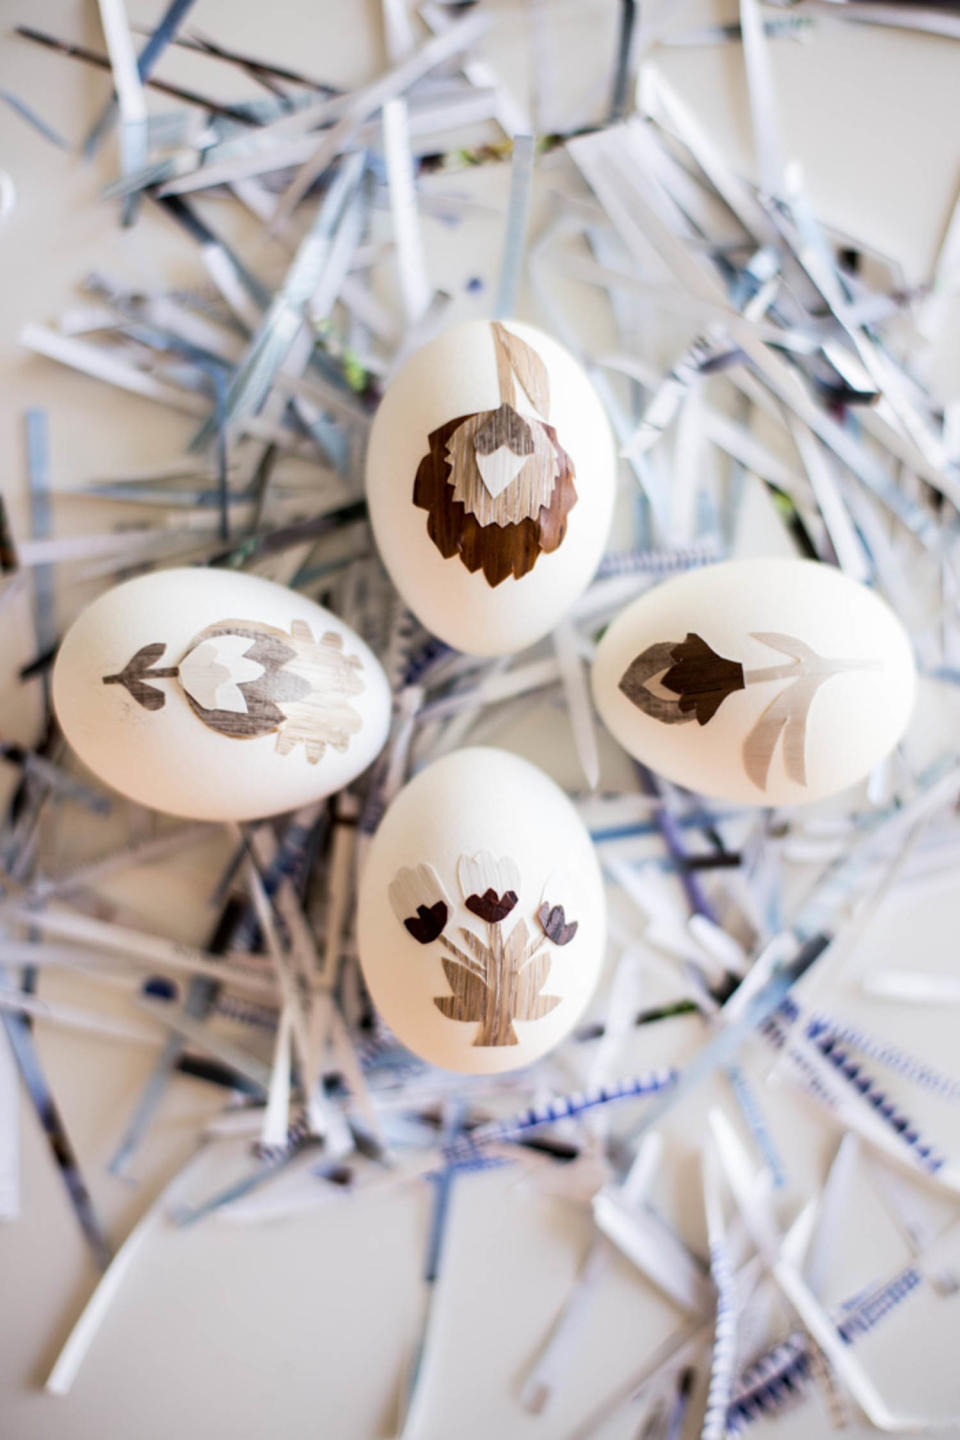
(678, 681)
(495, 978)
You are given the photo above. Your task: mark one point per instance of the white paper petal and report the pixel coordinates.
(213, 672)
(499, 469)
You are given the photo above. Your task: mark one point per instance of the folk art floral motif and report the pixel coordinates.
(497, 485)
(678, 681)
(244, 679)
(497, 978)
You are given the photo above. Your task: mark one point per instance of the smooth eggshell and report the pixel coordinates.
(465, 803)
(171, 759)
(456, 375)
(853, 717)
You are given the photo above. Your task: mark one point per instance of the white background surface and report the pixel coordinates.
(300, 1328)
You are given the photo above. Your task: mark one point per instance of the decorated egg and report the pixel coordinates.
(767, 682)
(218, 696)
(490, 483)
(481, 915)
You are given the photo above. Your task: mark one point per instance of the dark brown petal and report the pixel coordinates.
(492, 907)
(428, 922)
(702, 678)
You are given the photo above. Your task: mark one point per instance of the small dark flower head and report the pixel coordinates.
(490, 887)
(418, 900)
(702, 678)
(492, 907)
(553, 923)
(689, 669)
(427, 925)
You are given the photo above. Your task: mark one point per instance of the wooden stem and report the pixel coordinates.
(497, 1026)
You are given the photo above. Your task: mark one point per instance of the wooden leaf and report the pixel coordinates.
(529, 1004)
(786, 714)
(475, 945)
(515, 944)
(760, 743)
(538, 1007)
(786, 644)
(145, 657)
(528, 368)
(469, 998)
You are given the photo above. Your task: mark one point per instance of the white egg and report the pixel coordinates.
(481, 913)
(490, 481)
(218, 696)
(767, 682)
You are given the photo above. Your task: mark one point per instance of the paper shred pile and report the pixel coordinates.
(801, 380)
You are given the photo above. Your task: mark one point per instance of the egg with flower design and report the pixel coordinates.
(481, 916)
(768, 682)
(218, 696)
(490, 482)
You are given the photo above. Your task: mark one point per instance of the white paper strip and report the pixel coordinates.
(111, 1027)
(127, 83)
(655, 1251)
(411, 260)
(9, 1132)
(369, 98)
(579, 706)
(143, 949)
(71, 1357)
(276, 1116)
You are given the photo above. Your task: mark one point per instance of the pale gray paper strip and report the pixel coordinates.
(408, 240)
(9, 1132)
(514, 239)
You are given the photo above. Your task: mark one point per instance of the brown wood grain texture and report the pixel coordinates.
(302, 693)
(527, 494)
(514, 971)
(498, 550)
(526, 365)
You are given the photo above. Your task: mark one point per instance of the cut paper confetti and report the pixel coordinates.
(752, 359)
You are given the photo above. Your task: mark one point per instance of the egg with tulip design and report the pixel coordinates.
(481, 914)
(218, 696)
(490, 482)
(766, 682)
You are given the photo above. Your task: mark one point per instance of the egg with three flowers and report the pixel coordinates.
(490, 481)
(481, 913)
